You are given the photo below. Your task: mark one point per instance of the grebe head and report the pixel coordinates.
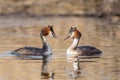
(73, 33)
(48, 31)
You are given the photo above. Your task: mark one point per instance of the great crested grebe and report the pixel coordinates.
(75, 51)
(45, 51)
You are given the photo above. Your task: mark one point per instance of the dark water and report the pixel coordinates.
(94, 32)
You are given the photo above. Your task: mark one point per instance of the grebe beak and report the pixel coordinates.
(54, 35)
(69, 33)
(68, 36)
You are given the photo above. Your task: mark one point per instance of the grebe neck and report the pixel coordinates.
(75, 43)
(45, 42)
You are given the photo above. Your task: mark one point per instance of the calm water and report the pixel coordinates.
(107, 40)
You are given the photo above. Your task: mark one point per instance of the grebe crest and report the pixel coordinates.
(73, 33)
(48, 31)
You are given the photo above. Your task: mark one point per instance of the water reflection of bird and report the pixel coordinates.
(45, 51)
(76, 72)
(45, 73)
(74, 50)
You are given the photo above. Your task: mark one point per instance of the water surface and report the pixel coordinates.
(95, 32)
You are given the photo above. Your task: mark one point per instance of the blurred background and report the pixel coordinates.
(97, 20)
(33, 8)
